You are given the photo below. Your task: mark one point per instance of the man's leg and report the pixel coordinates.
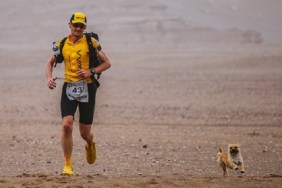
(86, 111)
(67, 143)
(68, 108)
(85, 132)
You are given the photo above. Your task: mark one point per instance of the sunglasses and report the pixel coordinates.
(80, 25)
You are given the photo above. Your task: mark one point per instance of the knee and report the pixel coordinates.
(84, 135)
(67, 128)
(85, 132)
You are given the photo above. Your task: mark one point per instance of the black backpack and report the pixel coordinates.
(94, 60)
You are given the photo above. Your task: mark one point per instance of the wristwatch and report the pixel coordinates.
(92, 70)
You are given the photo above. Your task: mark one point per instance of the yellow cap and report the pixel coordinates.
(78, 17)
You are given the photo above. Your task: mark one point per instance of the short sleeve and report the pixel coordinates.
(58, 43)
(96, 44)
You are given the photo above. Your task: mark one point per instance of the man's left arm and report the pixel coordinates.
(105, 63)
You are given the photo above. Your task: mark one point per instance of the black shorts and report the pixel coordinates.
(86, 109)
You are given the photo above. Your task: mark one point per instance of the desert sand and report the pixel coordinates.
(187, 77)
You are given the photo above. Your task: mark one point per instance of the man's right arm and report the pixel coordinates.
(49, 71)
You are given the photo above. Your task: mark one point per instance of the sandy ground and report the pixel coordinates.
(187, 77)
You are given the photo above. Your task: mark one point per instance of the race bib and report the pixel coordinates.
(77, 91)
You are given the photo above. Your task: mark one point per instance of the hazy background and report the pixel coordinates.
(108, 17)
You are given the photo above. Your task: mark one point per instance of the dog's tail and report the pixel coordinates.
(220, 150)
(219, 155)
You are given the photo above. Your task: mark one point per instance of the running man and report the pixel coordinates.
(79, 88)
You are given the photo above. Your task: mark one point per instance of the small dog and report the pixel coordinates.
(231, 159)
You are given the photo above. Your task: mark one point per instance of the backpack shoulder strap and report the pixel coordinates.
(88, 39)
(62, 43)
(94, 60)
(92, 51)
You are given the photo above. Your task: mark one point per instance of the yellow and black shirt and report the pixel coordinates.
(76, 56)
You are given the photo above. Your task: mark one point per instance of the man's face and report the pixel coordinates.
(77, 29)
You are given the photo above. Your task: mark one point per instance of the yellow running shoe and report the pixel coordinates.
(90, 153)
(68, 171)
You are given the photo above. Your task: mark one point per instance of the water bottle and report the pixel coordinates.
(56, 50)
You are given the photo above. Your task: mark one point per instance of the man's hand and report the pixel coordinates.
(84, 73)
(51, 83)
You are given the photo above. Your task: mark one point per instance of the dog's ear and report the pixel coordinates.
(220, 150)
